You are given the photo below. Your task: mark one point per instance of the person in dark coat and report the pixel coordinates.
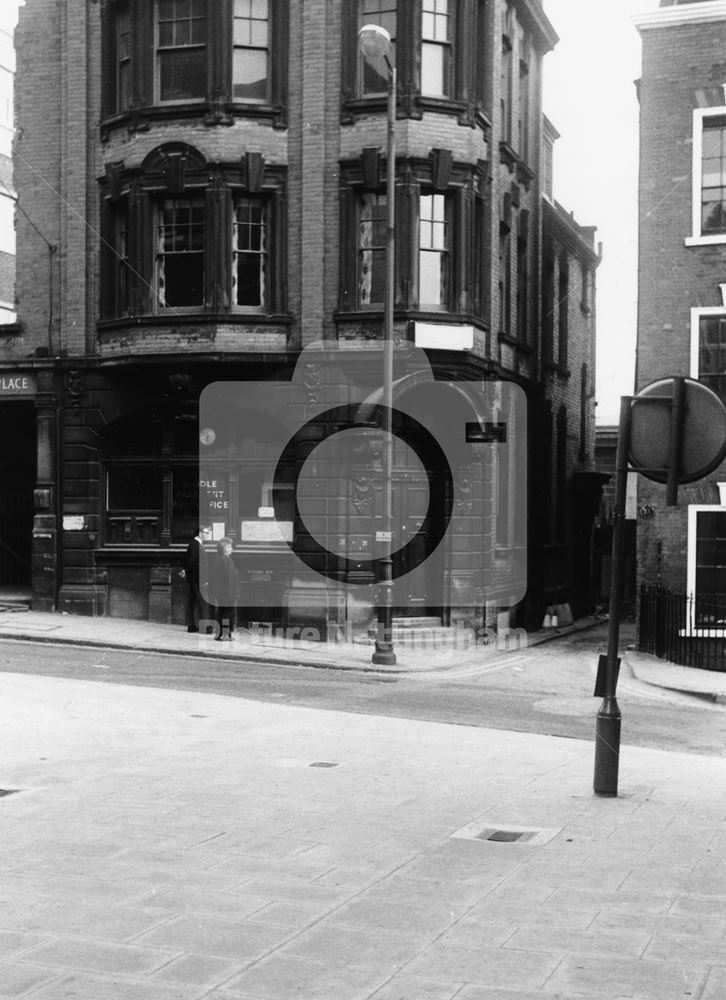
(195, 573)
(223, 589)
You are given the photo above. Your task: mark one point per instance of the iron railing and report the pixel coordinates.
(682, 628)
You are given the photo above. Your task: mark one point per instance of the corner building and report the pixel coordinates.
(681, 300)
(209, 178)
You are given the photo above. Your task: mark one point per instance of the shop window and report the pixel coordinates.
(181, 50)
(180, 253)
(134, 487)
(434, 252)
(227, 57)
(152, 479)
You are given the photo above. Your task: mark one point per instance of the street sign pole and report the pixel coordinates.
(607, 731)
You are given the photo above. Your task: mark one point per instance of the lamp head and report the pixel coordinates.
(374, 41)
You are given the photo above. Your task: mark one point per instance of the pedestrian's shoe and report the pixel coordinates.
(192, 628)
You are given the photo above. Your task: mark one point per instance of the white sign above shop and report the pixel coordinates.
(443, 336)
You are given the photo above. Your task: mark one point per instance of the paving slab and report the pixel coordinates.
(154, 855)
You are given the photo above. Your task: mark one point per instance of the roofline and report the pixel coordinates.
(691, 13)
(571, 231)
(533, 11)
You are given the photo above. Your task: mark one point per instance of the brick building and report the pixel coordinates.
(681, 306)
(212, 177)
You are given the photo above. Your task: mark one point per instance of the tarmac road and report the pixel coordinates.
(546, 689)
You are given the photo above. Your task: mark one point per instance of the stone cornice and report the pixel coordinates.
(692, 13)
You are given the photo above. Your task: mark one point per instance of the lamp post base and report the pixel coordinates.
(607, 749)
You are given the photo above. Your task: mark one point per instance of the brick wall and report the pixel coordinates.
(683, 68)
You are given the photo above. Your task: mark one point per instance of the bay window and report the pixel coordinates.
(180, 237)
(439, 236)
(438, 47)
(215, 59)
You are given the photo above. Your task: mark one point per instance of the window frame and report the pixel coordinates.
(176, 48)
(165, 257)
(697, 237)
(697, 314)
(692, 630)
(264, 254)
(444, 253)
(218, 105)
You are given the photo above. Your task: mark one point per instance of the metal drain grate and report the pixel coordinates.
(506, 836)
(9, 791)
(533, 836)
(323, 763)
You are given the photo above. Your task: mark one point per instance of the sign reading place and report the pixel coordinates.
(14, 384)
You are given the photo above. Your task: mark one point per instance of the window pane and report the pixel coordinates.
(373, 73)
(182, 74)
(372, 249)
(180, 252)
(134, 488)
(713, 180)
(250, 74)
(432, 70)
(431, 278)
(183, 283)
(249, 253)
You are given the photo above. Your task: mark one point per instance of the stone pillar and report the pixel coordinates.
(45, 527)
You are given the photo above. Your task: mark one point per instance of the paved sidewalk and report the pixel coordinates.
(260, 646)
(707, 684)
(179, 846)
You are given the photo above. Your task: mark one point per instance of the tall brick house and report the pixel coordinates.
(208, 178)
(682, 267)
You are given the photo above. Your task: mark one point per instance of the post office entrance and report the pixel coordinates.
(17, 479)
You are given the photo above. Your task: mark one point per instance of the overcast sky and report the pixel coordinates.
(590, 99)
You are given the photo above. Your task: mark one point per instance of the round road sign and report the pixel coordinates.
(703, 431)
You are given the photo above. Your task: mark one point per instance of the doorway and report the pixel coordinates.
(418, 565)
(17, 479)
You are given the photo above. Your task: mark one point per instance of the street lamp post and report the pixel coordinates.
(375, 42)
